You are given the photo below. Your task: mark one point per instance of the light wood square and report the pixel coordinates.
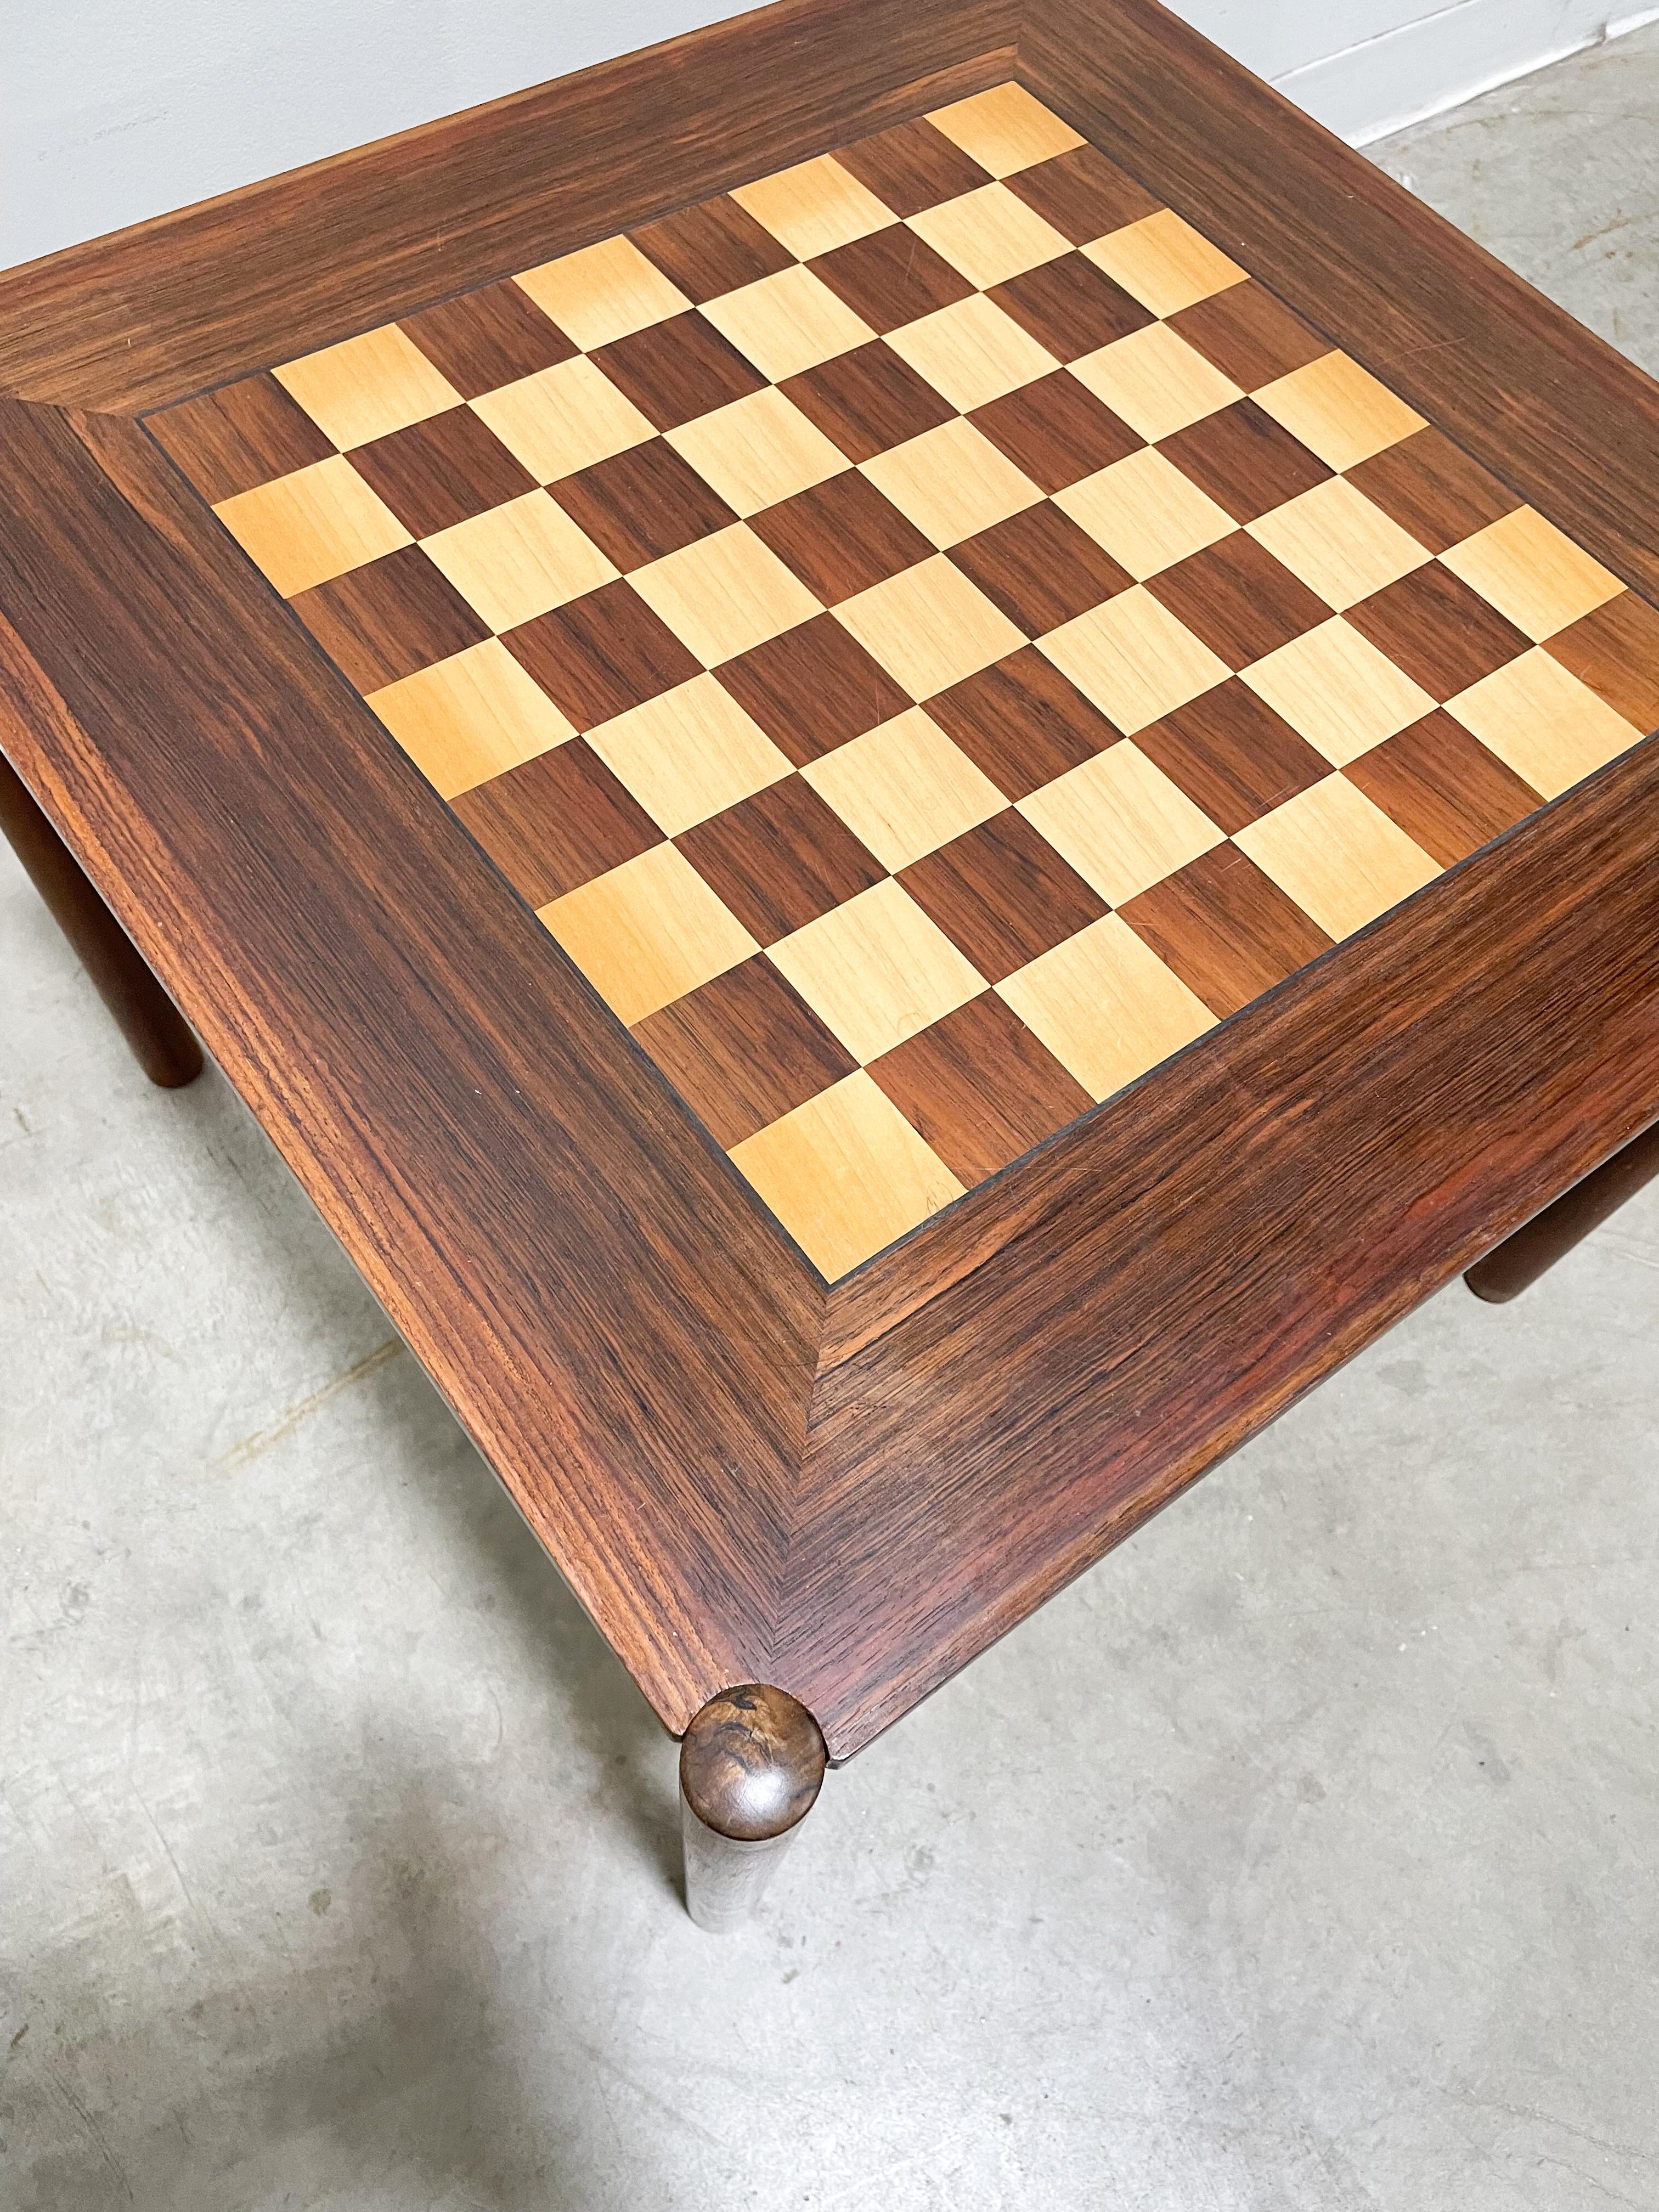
(514, 563)
(1542, 722)
(1533, 573)
(989, 235)
(877, 970)
(563, 418)
(367, 387)
(1156, 381)
(1338, 856)
(648, 932)
(1005, 129)
(787, 322)
(689, 753)
(971, 351)
(1134, 659)
(602, 292)
(904, 788)
(723, 594)
(1165, 262)
(757, 451)
(1145, 512)
(1338, 542)
(1334, 686)
(814, 207)
(846, 1173)
(1338, 410)
(471, 717)
(302, 529)
(929, 626)
(952, 482)
(1106, 1005)
(1120, 823)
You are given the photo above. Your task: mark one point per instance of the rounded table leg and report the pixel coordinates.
(751, 1764)
(153, 1026)
(1513, 1266)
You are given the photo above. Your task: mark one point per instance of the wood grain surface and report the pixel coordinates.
(1174, 1271)
(148, 314)
(625, 1337)
(1523, 387)
(747, 1479)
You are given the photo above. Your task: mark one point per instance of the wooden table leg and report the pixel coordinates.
(1520, 1259)
(153, 1027)
(751, 1764)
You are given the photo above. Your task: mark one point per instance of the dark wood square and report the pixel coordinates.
(1056, 431)
(1084, 195)
(1247, 462)
(556, 822)
(641, 504)
(781, 859)
(980, 1088)
(1232, 755)
(1071, 307)
(1022, 722)
(241, 436)
(1039, 569)
(1239, 599)
(1002, 895)
(388, 618)
(675, 370)
(1443, 635)
(441, 470)
(1250, 335)
(840, 537)
(1225, 929)
(1433, 489)
(716, 246)
(867, 400)
(601, 654)
(743, 1050)
(487, 338)
(1616, 651)
(1443, 788)
(912, 166)
(891, 277)
(812, 689)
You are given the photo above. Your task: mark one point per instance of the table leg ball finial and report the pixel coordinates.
(751, 1764)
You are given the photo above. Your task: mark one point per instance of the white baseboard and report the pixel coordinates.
(1382, 84)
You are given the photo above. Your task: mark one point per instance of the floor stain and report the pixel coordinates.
(239, 1455)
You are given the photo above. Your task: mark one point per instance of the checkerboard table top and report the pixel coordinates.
(928, 634)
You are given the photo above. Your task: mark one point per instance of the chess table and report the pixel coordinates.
(906, 748)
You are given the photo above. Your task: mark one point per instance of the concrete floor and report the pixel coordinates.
(1298, 1859)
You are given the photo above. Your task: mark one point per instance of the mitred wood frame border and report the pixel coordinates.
(746, 1476)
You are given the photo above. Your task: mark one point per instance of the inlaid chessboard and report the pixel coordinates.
(927, 634)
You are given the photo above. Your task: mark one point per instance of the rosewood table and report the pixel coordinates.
(906, 750)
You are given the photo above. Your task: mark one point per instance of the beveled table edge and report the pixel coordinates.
(731, 1573)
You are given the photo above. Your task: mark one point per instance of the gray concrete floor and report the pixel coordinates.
(1300, 1856)
(1558, 175)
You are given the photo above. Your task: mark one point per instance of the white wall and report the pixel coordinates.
(112, 110)
(1366, 67)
